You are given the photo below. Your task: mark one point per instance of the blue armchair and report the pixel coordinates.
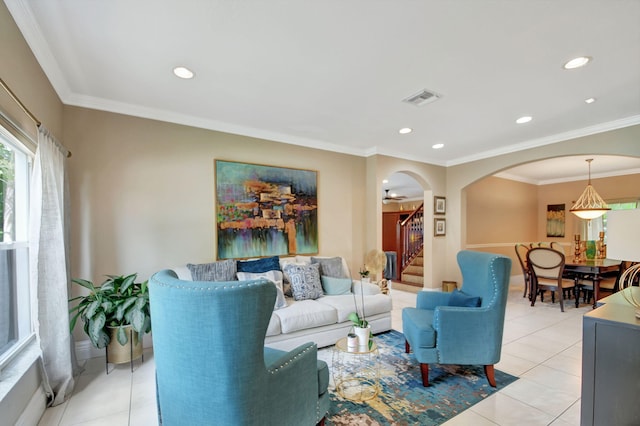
(461, 327)
(212, 367)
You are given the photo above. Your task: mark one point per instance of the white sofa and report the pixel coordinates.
(323, 320)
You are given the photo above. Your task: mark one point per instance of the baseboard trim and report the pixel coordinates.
(34, 409)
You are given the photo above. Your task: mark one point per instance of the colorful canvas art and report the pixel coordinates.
(265, 210)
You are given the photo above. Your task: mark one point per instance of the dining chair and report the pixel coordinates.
(546, 266)
(521, 252)
(609, 283)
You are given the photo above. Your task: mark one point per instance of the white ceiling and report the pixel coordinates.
(333, 74)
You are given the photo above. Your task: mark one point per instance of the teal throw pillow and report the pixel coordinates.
(459, 298)
(335, 286)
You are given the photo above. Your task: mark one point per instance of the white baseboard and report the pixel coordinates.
(85, 350)
(34, 409)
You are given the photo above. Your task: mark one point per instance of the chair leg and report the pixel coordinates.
(407, 348)
(491, 376)
(424, 370)
(561, 297)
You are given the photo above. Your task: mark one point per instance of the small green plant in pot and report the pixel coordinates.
(118, 303)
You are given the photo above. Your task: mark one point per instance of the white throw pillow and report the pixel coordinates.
(275, 277)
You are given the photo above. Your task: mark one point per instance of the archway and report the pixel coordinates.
(404, 236)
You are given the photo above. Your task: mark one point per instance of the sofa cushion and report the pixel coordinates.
(345, 304)
(274, 326)
(259, 265)
(222, 270)
(305, 314)
(334, 286)
(275, 277)
(305, 281)
(330, 266)
(459, 298)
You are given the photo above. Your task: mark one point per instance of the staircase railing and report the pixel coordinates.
(410, 237)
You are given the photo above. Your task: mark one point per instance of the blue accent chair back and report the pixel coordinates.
(438, 332)
(212, 367)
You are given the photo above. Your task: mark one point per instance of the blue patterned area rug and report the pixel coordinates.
(402, 399)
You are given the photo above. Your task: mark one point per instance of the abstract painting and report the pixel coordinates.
(265, 210)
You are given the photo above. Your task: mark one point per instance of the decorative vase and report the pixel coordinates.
(119, 354)
(591, 249)
(364, 334)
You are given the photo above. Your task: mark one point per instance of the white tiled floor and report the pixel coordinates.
(542, 346)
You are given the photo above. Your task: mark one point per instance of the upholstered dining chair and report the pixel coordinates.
(608, 284)
(212, 367)
(521, 253)
(547, 268)
(462, 327)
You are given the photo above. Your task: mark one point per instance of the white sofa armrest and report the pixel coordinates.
(183, 273)
(368, 289)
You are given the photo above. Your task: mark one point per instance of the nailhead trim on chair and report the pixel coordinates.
(275, 370)
(240, 284)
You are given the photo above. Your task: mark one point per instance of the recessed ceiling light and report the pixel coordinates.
(524, 119)
(578, 62)
(590, 100)
(437, 146)
(405, 130)
(183, 72)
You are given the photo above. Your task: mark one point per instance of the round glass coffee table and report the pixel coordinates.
(356, 371)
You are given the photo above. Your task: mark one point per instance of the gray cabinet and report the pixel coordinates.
(610, 366)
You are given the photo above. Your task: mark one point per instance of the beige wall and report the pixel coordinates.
(143, 192)
(19, 69)
(21, 72)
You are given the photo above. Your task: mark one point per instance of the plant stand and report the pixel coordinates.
(131, 346)
(356, 372)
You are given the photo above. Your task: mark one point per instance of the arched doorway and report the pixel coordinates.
(403, 233)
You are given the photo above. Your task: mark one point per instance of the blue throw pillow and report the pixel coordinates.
(334, 286)
(458, 298)
(265, 264)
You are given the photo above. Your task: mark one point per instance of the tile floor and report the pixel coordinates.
(542, 346)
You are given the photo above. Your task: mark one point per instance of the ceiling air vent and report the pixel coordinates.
(422, 98)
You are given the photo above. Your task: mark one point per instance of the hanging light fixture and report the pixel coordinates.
(590, 205)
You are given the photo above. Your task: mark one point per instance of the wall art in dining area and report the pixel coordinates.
(555, 220)
(265, 210)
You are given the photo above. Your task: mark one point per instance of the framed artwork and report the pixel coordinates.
(439, 205)
(555, 220)
(265, 210)
(439, 227)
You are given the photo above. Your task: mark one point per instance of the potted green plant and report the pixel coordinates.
(111, 309)
(361, 326)
(364, 274)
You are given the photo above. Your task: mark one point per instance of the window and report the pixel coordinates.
(618, 205)
(15, 169)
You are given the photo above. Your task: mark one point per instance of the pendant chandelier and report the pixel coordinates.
(590, 205)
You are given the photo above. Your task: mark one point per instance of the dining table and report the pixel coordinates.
(591, 270)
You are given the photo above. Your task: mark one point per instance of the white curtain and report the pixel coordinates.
(48, 264)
